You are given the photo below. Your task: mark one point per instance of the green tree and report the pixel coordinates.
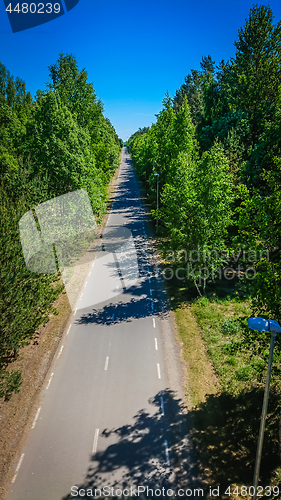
(197, 209)
(263, 155)
(252, 79)
(79, 96)
(61, 152)
(260, 231)
(59, 143)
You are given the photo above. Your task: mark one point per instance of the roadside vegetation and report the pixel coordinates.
(216, 146)
(57, 142)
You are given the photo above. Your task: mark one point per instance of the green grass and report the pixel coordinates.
(227, 364)
(238, 355)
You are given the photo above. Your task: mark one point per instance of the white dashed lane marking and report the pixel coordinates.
(167, 453)
(162, 405)
(106, 363)
(95, 445)
(61, 349)
(18, 468)
(50, 380)
(36, 418)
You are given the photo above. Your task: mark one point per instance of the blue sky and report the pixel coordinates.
(133, 50)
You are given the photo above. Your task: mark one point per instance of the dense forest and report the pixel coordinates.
(211, 169)
(216, 146)
(51, 145)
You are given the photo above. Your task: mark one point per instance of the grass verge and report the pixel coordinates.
(226, 364)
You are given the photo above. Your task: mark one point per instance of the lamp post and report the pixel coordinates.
(157, 175)
(263, 325)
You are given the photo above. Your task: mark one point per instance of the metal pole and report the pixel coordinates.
(263, 416)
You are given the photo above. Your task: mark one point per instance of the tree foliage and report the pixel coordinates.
(216, 146)
(57, 143)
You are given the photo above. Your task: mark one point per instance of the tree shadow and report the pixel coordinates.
(185, 291)
(212, 445)
(122, 311)
(225, 437)
(138, 456)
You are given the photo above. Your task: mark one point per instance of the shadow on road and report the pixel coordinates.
(223, 431)
(138, 458)
(121, 311)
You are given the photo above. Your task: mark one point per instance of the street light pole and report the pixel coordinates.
(272, 326)
(263, 416)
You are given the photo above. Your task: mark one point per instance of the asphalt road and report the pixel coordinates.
(105, 415)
